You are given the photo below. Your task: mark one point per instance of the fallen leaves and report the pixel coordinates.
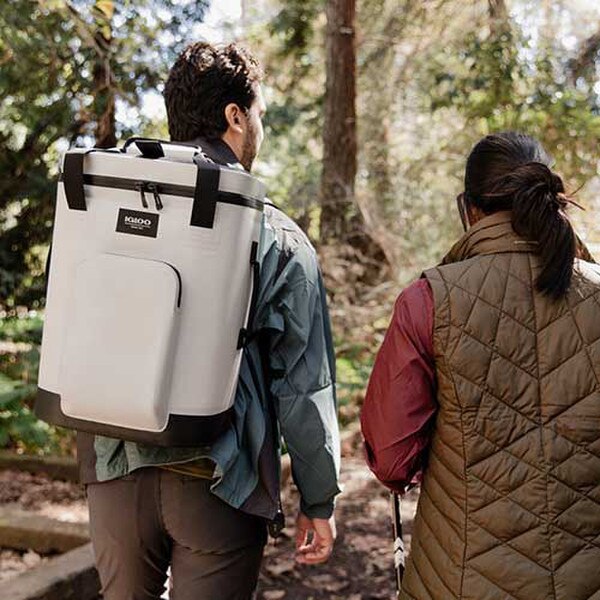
(361, 567)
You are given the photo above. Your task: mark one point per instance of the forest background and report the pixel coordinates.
(373, 106)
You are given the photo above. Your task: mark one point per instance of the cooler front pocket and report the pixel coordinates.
(117, 358)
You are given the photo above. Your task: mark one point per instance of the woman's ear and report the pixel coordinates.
(474, 214)
(235, 118)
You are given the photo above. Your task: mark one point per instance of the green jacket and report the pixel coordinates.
(289, 363)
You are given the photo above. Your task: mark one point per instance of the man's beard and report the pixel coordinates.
(249, 149)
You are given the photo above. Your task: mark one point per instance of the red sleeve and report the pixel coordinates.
(399, 407)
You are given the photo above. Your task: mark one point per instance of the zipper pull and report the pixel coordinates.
(140, 188)
(152, 187)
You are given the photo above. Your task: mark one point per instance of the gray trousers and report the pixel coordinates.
(144, 522)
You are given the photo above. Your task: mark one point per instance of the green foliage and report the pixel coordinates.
(353, 371)
(19, 365)
(293, 57)
(19, 427)
(500, 80)
(294, 29)
(17, 422)
(25, 330)
(294, 169)
(352, 376)
(22, 336)
(51, 53)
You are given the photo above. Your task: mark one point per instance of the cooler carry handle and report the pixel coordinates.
(136, 139)
(154, 148)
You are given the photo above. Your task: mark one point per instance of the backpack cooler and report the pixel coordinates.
(150, 286)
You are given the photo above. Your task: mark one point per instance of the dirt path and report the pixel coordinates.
(362, 565)
(360, 569)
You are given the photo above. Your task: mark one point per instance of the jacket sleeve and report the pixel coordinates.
(399, 407)
(301, 366)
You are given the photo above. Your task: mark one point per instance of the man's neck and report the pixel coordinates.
(218, 150)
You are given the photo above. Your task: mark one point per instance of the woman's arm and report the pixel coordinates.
(399, 408)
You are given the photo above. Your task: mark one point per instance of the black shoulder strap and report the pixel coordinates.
(73, 180)
(247, 333)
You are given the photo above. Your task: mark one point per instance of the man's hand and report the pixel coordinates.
(316, 548)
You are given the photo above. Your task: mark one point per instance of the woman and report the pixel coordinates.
(488, 387)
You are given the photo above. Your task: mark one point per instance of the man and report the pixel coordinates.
(204, 511)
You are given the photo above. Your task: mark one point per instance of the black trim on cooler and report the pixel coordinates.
(246, 335)
(206, 195)
(180, 283)
(168, 189)
(181, 430)
(73, 170)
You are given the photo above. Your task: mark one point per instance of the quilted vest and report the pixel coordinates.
(510, 499)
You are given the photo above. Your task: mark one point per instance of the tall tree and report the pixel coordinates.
(103, 86)
(339, 130)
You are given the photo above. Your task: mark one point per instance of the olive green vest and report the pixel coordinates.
(510, 501)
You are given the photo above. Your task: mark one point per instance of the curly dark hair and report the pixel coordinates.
(203, 81)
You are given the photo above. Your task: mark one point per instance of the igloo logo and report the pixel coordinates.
(134, 222)
(138, 221)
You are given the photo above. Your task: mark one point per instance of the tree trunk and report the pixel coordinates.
(339, 131)
(103, 90)
(377, 96)
(245, 16)
(498, 9)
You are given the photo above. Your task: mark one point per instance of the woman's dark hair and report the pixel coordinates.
(511, 171)
(202, 82)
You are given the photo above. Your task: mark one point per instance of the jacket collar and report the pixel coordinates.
(218, 151)
(491, 235)
(494, 234)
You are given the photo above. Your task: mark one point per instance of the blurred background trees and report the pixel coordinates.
(373, 107)
(64, 66)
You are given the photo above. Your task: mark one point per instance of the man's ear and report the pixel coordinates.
(235, 117)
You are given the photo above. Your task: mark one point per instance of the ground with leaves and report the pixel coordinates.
(360, 569)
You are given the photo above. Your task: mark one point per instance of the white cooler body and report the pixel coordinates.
(147, 306)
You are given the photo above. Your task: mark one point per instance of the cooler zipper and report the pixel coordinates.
(148, 186)
(140, 188)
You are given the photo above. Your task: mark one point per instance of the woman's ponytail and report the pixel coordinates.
(538, 214)
(509, 171)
